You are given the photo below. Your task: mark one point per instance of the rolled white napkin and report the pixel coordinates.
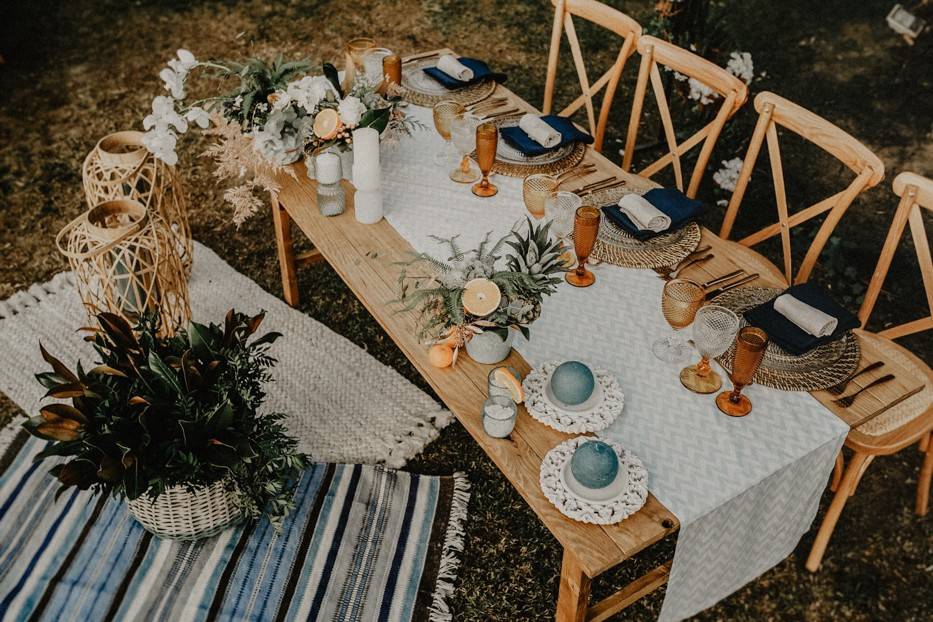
(643, 214)
(809, 319)
(539, 131)
(454, 68)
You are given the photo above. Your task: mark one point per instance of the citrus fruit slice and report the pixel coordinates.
(440, 355)
(481, 297)
(507, 380)
(326, 124)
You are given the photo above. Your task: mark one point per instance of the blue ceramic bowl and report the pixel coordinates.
(595, 464)
(572, 383)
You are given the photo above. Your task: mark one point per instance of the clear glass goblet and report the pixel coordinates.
(463, 133)
(714, 329)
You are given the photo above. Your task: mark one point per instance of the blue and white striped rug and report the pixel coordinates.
(364, 543)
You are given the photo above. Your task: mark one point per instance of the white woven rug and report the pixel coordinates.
(343, 405)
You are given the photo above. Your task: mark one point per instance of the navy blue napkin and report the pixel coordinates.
(481, 72)
(791, 337)
(680, 209)
(569, 133)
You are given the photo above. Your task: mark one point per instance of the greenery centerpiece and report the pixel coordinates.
(496, 288)
(159, 414)
(277, 113)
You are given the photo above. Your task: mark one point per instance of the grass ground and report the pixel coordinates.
(75, 71)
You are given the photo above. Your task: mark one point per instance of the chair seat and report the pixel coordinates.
(911, 419)
(753, 261)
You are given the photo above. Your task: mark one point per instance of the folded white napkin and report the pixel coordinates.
(454, 68)
(643, 214)
(539, 131)
(809, 319)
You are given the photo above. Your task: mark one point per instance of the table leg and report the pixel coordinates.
(282, 223)
(573, 599)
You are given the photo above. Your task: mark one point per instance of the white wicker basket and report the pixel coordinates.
(178, 514)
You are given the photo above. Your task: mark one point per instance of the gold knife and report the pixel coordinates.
(421, 56)
(889, 405)
(719, 290)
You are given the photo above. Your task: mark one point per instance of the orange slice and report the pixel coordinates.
(326, 124)
(481, 297)
(504, 378)
(441, 355)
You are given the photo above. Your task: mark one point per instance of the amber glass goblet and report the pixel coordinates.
(355, 51)
(680, 301)
(536, 189)
(749, 350)
(487, 139)
(714, 329)
(444, 114)
(585, 230)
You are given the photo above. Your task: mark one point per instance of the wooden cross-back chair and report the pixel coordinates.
(609, 18)
(910, 421)
(776, 111)
(733, 92)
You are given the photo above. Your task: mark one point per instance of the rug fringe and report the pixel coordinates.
(428, 425)
(37, 292)
(453, 547)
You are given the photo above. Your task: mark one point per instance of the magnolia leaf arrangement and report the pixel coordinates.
(162, 412)
(282, 111)
(495, 287)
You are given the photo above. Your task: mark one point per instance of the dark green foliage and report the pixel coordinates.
(258, 80)
(157, 412)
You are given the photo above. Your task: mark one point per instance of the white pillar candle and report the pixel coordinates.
(366, 145)
(368, 206)
(366, 176)
(327, 168)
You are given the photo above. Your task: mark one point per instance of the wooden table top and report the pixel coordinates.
(365, 256)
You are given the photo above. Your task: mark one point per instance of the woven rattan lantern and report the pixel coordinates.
(120, 167)
(124, 261)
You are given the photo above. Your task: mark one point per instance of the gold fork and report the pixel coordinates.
(848, 400)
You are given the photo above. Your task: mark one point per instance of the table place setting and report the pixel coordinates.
(531, 144)
(812, 345)
(429, 79)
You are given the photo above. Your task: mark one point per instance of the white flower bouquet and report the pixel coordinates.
(277, 115)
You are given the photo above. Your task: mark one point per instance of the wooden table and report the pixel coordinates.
(365, 255)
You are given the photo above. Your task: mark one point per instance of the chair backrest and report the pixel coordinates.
(774, 110)
(733, 91)
(611, 19)
(916, 192)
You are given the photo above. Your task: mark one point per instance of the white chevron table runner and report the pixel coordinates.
(745, 490)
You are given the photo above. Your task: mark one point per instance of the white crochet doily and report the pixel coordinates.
(629, 501)
(572, 422)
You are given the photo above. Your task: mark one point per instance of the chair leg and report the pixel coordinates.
(849, 479)
(837, 471)
(926, 474)
(861, 472)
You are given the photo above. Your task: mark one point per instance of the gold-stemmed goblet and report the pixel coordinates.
(750, 348)
(487, 139)
(536, 189)
(680, 301)
(463, 132)
(444, 114)
(585, 230)
(714, 329)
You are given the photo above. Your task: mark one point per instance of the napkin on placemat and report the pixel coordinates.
(519, 138)
(643, 214)
(790, 336)
(454, 68)
(539, 131)
(481, 72)
(669, 201)
(809, 319)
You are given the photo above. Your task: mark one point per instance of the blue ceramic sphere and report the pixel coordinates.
(594, 464)
(572, 383)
